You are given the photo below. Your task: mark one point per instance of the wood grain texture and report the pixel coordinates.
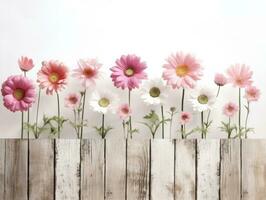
(92, 169)
(67, 169)
(185, 181)
(115, 169)
(138, 169)
(254, 169)
(162, 169)
(230, 183)
(2, 168)
(16, 169)
(41, 169)
(208, 168)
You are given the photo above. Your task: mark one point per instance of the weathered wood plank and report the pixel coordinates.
(92, 169)
(208, 164)
(162, 169)
(41, 169)
(16, 169)
(67, 169)
(115, 169)
(2, 168)
(230, 170)
(253, 169)
(138, 169)
(185, 181)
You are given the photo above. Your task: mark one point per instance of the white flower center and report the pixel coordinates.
(104, 102)
(203, 99)
(154, 92)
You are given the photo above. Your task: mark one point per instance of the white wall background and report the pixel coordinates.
(219, 32)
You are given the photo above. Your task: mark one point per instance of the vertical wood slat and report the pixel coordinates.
(208, 164)
(2, 168)
(16, 169)
(230, 183)
(185, 181)
(92, 169)
(41, 169)
(162, 169)
(67, 169)
(138, 160)
(253, 169)
(115, 169)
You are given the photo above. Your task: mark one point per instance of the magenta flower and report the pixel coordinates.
(72, 100)
(18, 93)
(185, 118)
(128, 72)
(239, 75)
(230, 109)
(182, 70)
(25, 64)
(124, 111)
(220, 79)
(252, 93)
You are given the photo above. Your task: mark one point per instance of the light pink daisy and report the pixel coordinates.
(239, 75)
(128, 72)
(18, 93)
(182, 70)
(220, 79)
(25, 63)
(124, 111)
(72, 100)
(230, 109)
(185, 118)
(52, 76)
(252, 93)
(87, 71)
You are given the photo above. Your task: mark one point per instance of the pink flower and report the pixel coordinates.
(25, 63)
(124, 111)
(128, 72)
(240, 75)
(182, 70)
(87, 71)
(252, 93)
(52, 76)
(72, 100)
(18, 93)
(185, 118)
(230, 109)
(220, 79)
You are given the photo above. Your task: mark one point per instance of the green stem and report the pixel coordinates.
(209, 112)
(22, 121)
(171, 123)
(103, 135)
(229, 124)
(239, 114)
(246, 121)
(124, 129)
(75, 122)
(162, 122)
(37, 113)
(130, 119)
(182, 109)
(82, 114)
(202, 126)
(58, 115)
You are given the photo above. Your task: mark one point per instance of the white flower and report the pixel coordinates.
(154, 92)
(103, 102)
(203, 99)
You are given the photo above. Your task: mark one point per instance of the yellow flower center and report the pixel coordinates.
(154, 92)
(104, 102)
(129, 71)
(54, 77)
(19, 94)
(203, 99)
(181, 70)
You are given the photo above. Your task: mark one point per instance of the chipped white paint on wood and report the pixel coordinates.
(254, 169)
(185, 181)
(67, 169)
(208, 162)
(2, 168)
(92, 169)
(230, 170)
(162, 169)
(138, 170)
(41, 169)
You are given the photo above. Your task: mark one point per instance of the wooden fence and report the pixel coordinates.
(133, 170)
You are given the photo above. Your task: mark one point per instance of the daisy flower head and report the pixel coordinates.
(87, 72)
(52, 76)
(182, 70)
(25, 63)
(203, 99)
(103, 102)
(128, 72)
(154, 92)
(18, 93)
(220, 79)
(72, 100)
(240, 75)
(185, 118)
(230, 109)
(252, 93)
(124, 111)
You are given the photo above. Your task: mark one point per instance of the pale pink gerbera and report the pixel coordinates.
(72, 100)
(18, 93)
(252, 93)
(124, 111)
(128, 72)
(87, 71)
(240, 75)
(52, 76)
(182, 70)
(230, 109)
(185, 118)
(25, 63)
(220, 79)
